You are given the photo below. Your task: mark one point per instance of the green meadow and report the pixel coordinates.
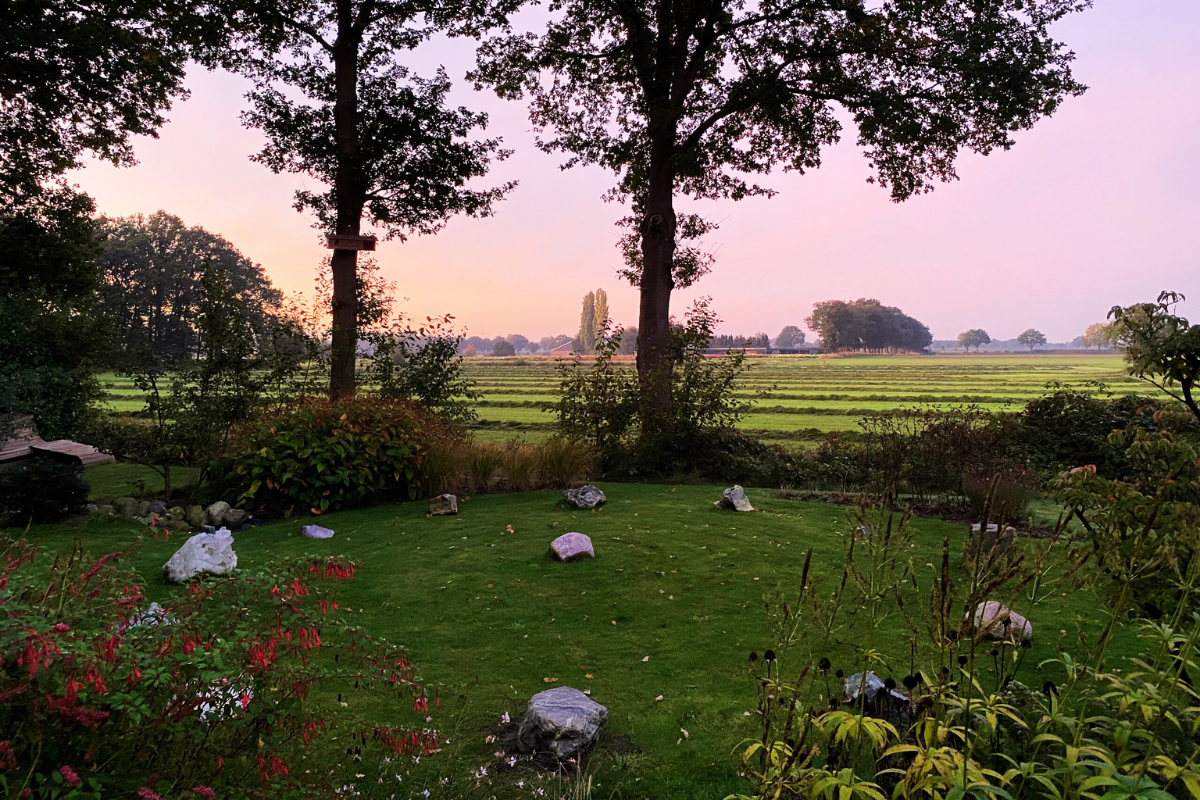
(658, 627)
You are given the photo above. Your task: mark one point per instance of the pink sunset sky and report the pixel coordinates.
(1095, 206)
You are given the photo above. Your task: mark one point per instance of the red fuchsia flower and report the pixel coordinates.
(8, 758)
(61, 628)
(245, 701)
(420, 706)
(205, 792)
(69, 775)
(146, 793)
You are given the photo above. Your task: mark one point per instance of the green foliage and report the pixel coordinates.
(323, 455)
(226, 692)
(1161, 347)
(973, 338)
(421, 364)
(158, 282)
(84, 77)
(42, 489)
(866, 325)
(790, 336)
(482, 462)
(1031, 338)
(587, 325)
(49, 335)
(500, 347)
(597, 399)
(563, 461)
(1070, 427)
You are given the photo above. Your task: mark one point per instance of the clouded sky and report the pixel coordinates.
(1093, 207)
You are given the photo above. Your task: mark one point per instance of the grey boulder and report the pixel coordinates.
(586, 496)
(572, 546)
(216, 512)
(202, 554)
(734, 497)
(563, 721)
(143, 509)
(195, 517)
(443, 505)
(157, 507)
(126, 507)
(316, 532)
(235, 517)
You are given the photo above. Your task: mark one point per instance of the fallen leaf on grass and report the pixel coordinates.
(549, 680)
(658, 698)
(644, 660)
(588, 676)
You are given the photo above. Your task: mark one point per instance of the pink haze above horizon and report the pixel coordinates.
(1095, 206)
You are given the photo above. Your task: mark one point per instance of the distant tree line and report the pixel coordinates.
(866, 325)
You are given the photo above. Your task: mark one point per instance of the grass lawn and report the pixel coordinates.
(108, 481)
(671, 607)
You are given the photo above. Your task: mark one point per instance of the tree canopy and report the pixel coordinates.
(973, 338)
(1031, 338)
(83, 76)
(153, 270)
(790, 336)
(336, 105)
(866, 325)
(1161, 347)
(698, 97)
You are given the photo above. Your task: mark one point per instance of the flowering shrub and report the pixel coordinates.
(227, 691)
(321, 455)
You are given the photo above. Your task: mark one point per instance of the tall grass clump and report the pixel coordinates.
(442, 466)
(481, 462)
(1003, 497)
(564, 461)
(519, 465)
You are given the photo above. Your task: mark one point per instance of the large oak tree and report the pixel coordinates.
(695, 97)
(336, 104)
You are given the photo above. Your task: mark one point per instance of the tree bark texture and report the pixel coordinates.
(349, 195)
(658, 261)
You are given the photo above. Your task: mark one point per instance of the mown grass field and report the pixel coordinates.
(658, 627)
(797, 400)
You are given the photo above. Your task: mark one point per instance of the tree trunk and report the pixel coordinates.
(349, 193)
(658, 261)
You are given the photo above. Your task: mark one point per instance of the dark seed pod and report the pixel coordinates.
(753, 656)
(824, 665)
(769, 655)
(911, 681)
(839, 674)
(889, 684)
(962, 661)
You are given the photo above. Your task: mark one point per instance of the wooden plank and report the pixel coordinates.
(335, 241)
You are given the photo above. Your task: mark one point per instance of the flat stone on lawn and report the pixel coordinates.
(202, 554)
(734, 497)
(572, 546)
(998, 622)
(562, 720)
(586, 496)
(316, 532)
(443, 505)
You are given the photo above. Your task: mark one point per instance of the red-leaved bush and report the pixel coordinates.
(232, 689)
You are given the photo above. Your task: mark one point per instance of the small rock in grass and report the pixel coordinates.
(997, 622)
(235, 518)
(563, 721)
(316, 532)
(734, 497)
(443, 505)
(871, 685)
(586, 496)
(177, 513)
(202, 554)
(572, 546)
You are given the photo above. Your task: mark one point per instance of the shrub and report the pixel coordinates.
(42, 490)
(325, 455)
(563, 461)
(227, 692)
(442, 465)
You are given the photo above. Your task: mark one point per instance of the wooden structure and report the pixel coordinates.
(25, 444)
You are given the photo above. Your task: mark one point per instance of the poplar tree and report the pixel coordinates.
(696, 97)
(601, 315)
(587, 324)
